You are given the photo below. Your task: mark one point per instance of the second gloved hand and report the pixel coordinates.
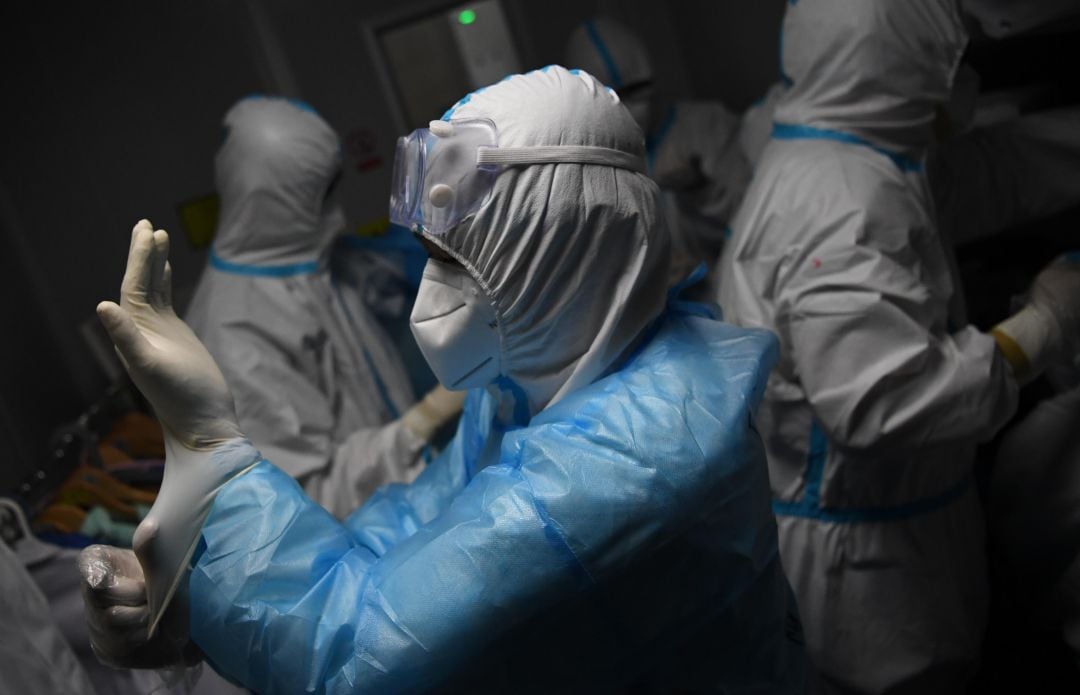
(1047, 330)
(438, 407)
(114, 595)
(203, 443)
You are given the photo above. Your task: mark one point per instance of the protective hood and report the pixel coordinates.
(609, 51)
(572, 256)
(273, 173)
(307, 363)
(874, 70)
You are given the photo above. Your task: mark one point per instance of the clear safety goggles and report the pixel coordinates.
(446, 172)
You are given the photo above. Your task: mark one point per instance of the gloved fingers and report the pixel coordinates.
(127, 618)
(137, 276)
(111, 577)
(141, 224)
(121, 591)
(159, 259)
(113, 640)
(126, 336)
(166, 285)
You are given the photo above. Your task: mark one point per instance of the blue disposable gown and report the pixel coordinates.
(624, 537)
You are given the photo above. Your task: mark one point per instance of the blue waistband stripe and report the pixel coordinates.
(810, 507)
(864, 515)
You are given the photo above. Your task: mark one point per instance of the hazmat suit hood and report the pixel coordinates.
(874, 70)
(306, 362)
(274, 172)
(573, 257)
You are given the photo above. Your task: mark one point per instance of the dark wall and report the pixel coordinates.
(731, 48)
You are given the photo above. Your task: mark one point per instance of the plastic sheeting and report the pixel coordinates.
(623, 538)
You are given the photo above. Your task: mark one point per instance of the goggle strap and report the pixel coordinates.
(559, 154)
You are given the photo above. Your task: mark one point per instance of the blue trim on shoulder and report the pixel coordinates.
(605, 54)
(272, 271)
(787, 131)
(809, 507)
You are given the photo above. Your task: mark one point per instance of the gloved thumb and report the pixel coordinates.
(121, 327)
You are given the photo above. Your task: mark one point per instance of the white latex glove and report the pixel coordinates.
(189, 395)
(1047, 330)
(438, 407)
(114, 594)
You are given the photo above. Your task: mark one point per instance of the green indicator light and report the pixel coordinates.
(467, 17)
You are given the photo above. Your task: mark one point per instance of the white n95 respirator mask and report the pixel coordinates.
(455, 326)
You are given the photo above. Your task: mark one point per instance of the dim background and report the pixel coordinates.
(113, 112)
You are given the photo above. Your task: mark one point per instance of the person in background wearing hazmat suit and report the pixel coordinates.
(873, 413)
(319, 387)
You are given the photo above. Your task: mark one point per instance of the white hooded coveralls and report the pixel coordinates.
(873, 413)
(318, 385)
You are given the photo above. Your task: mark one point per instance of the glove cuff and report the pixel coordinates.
(1027, 340)
(167, 537)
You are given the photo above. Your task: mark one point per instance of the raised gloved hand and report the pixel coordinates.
(164, 358)
(1047, 330)
(203, 444)
(438, 407)
(114, 594)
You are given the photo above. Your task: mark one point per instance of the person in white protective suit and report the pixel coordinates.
(318, 385)
(873, 413)
(700, 153)
(599, 523)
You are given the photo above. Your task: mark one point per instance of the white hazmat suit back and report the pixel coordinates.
(872, 416)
